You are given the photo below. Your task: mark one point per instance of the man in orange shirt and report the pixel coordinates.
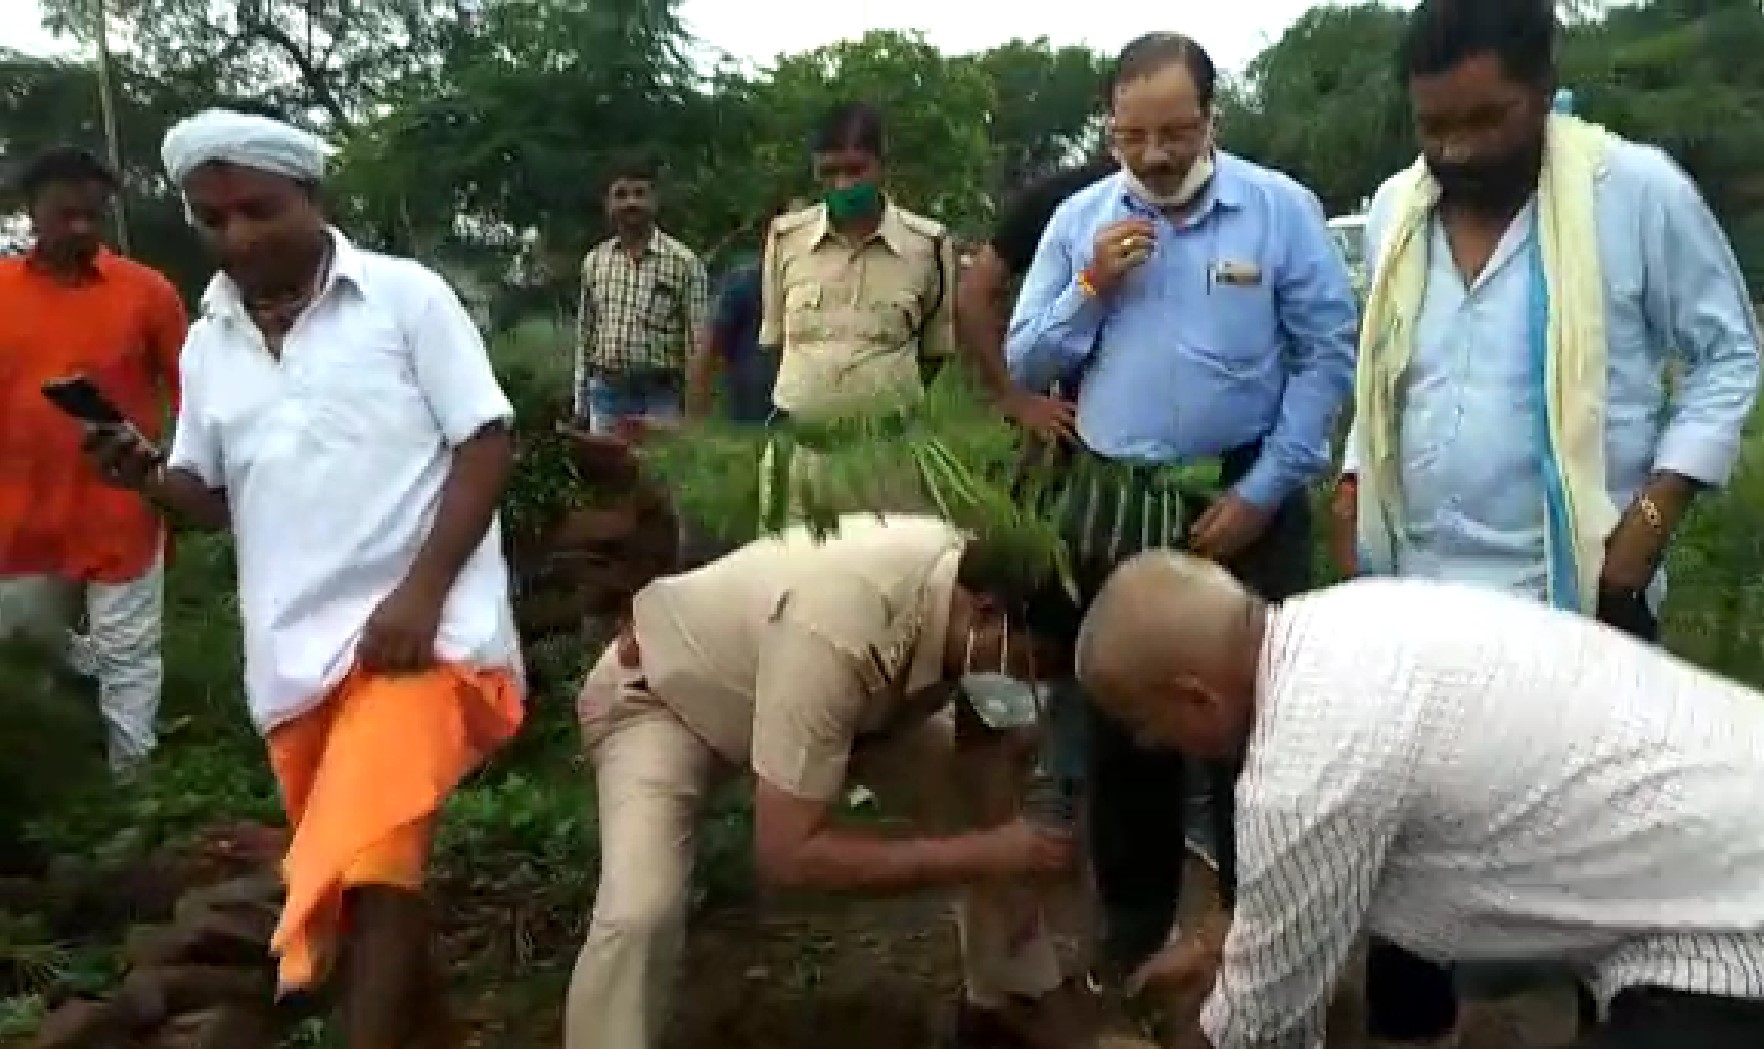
(68, 306)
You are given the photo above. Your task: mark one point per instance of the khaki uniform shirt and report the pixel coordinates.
(852, 322)
(781, 654)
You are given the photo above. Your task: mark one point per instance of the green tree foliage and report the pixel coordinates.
(44, 103)
(1325, 104)
(330, 61)
(937, 115)
(1047, 106)
(515, 121)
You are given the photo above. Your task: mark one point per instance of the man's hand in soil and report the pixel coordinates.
(1183, 972)
(1180, 977)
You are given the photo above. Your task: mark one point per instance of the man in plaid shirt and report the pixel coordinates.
(645, 302)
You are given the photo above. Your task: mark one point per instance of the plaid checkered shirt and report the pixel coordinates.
(640, 316)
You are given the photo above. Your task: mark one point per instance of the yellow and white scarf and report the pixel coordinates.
(1567, 343)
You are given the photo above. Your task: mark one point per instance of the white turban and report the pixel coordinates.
(246, 140)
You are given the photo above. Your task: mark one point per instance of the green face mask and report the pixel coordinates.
(861, 200)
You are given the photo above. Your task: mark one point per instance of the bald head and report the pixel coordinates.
(1169, 629)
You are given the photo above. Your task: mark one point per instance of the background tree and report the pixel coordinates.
(1324, 103)
(477, 130)
(45, 102)
(936, 109)
(1047, 108)
(329, 61)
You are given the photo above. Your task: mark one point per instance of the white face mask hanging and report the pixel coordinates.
(1199, 174)
(1002, 701)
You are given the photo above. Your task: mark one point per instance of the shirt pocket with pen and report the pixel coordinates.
(1240, 322)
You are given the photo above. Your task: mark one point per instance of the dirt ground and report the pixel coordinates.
(815, 974)
(884, 975)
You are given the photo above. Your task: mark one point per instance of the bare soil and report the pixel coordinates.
(793, 973)
(885, 975)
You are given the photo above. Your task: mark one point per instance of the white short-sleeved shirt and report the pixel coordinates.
(333, 459)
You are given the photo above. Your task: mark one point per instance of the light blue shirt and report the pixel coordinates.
(1471, 483)
(1239, 327)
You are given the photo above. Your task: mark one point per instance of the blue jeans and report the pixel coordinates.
(1068, 736)
(747, 382)
(1141, 909)
(607, 400)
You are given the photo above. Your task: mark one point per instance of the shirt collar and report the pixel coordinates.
(1224, 190)
(891, 230)
(651, 245)
(347, 264)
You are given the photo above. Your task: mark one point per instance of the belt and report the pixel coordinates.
(644, 378)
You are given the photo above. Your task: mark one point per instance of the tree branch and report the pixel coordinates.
(253, 26)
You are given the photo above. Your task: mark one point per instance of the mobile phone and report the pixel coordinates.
(81, 398)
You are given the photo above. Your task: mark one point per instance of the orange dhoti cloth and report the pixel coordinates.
(362, 778)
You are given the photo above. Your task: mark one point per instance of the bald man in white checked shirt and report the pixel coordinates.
(1469, 775)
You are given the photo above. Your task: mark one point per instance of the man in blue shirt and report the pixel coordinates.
(1213, 322)
(732, 343)
(1464, 440)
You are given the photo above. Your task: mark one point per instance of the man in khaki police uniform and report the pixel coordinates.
(819, 665)
(856, 290)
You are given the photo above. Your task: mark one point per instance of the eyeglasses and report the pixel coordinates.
(1174, 138)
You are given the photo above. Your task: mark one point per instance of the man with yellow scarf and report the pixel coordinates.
(1535, 278)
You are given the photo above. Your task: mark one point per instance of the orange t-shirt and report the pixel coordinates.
(123, 327)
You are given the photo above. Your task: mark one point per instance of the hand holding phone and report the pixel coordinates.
(81, 398)
(122, 453)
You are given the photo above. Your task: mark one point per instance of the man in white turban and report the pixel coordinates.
(265, 174)
(340, 416)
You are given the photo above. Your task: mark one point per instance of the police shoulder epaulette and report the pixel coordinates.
(921, 225)
(795, 220)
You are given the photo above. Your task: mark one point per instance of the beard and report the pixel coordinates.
(1489, 183)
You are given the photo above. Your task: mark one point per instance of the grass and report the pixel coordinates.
(516, 849)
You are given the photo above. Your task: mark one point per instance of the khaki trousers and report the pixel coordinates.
(652, 774)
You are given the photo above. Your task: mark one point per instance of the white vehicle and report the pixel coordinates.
(1350, 235)
(1349, 232)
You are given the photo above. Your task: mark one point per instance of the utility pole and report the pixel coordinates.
(112, 141)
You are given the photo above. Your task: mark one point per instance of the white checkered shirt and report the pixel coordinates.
(1477, 777)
